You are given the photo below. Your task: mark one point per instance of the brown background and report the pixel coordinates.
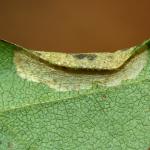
(67, 25)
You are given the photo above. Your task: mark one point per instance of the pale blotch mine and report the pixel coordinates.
(34, 70)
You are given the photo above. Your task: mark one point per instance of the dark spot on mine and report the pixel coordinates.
(148, 148)
(91, 57)
(87, 56)
(79, 56)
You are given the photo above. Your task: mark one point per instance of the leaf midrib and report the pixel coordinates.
(65, 99)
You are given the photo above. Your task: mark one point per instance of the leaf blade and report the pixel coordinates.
(98, 118)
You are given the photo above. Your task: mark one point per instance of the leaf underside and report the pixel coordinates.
(37, 114)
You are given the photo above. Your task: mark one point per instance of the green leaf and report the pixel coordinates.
(87, 101)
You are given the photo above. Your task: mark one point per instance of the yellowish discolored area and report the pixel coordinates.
(81, 71)
(103, 60)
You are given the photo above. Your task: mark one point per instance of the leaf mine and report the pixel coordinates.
(65, 72)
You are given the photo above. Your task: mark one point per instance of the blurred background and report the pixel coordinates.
(75, 26)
